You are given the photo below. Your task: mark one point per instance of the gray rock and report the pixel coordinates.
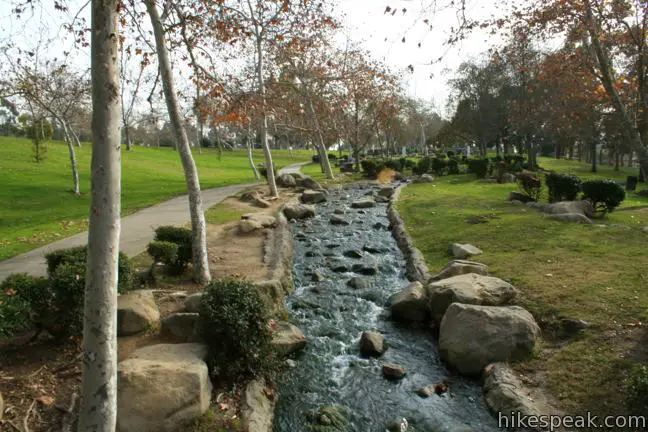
(285, 180)
(393, 371)
(463, 251)
(386, 191)
(363, 203)
(459, 267)
(583, 207)
(309, 183)
(381, 199)
(358, 283)
(136, 312)
(312, 196)
(571, 217)
(288, 339)
(338, 220)
(399, 425)
(257, 408)
(373, 249)
(508, 178)
(272, 292)
(338, 211)
(162, 388)
(643, 193)
(181, 325)
(192, 302)
(339, 266)
(365, 268)
(645, 229)
(317, 277)
(503, 391)
(471, 336)
(573, 326)
(372, 344)
(353, 254)
(468, 288)
(518, 196)
(424, 178)
(410, 304)
(298, 211)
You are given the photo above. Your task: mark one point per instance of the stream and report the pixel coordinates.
(330, 371)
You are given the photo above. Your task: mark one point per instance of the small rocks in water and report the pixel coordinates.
(358, 283)
(338, 220)
(298, 211)
(330, 254)
(311, 254)
(362, 212)
(463, 251)
(400, 425)
(291, 363)
(393, 371)
(386, 191)
(363, 203)
(317, 277)
(373, 249)
(380, 225)
(425, 392)
(339, 267)
(372, 344)
(353, 254)
(366, 268)
(333, 245)
(381, 199)
(338, 211)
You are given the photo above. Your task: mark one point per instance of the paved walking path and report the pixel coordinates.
(137, 229)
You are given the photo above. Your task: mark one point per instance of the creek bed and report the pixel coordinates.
(332, 315)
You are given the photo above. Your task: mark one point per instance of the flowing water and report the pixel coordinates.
(332, 315)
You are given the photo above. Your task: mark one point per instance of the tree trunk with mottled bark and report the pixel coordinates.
(98, 412)
(324, 161)
(198, 226)
(73, 161)
(248, 141)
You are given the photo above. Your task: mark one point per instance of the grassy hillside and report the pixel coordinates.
(563, 270)
(37, 207)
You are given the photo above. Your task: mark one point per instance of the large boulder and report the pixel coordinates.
(583, 207)
(571, 218)
(136, 312)
(472, 336)
(338, 220)
(298, 211)
(192, 302)
(257, 408)
(181, 326)
(309, 183)
(285, 180)
(252, 222)
(463, 251)
(410, 304)
(288, 339)
(162, 388)
(459, 267)
(363, 203)
(272, 292)
(312, 196)
(468, 288)
(372, 344)
(386, 191)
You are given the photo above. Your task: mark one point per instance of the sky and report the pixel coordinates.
(365, 22)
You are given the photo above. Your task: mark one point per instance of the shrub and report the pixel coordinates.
(562, 187)
(315, 158)
(605, 195)
(394, 164)
(438, 165)
(637, 387)
(234, 323)
(408, 164)
(14, 307)
(36, 293)
(479, 167)
(371, 167)
(181, 237)
(450, 154)
(78, 255)
(422, 166)
(530, 185)
(68, 288)
(163, 252)
(453, 166)
(502, 168)
(332, 156)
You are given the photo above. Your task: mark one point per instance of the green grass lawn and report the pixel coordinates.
(563, 270)
(37, 207)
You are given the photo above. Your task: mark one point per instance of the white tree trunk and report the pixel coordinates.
(73, 161)
(98, 412)
(249, 152)
(198, 226)
(320, 141)
(264, 123)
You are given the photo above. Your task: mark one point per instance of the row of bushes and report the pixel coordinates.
(54, 303)
(605, 195)
(371, 167)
